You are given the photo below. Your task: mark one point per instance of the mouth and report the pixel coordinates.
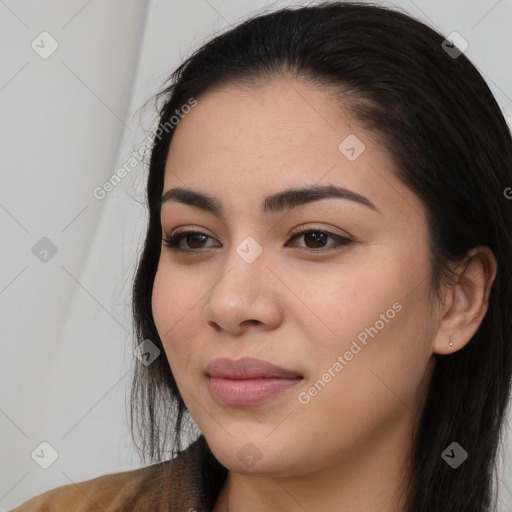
(247, 382)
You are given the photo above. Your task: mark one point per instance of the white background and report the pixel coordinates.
(68, 122)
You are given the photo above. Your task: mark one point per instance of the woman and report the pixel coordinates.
(371, 372)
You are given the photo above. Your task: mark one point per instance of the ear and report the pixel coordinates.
(466, 301)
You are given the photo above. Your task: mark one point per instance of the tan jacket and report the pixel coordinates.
(188, 483)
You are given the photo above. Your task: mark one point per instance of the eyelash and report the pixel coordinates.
(172, 242)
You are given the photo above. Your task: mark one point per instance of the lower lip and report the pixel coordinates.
(247, 392)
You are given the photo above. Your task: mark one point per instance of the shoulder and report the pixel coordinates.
(98, 493)
(147, 488)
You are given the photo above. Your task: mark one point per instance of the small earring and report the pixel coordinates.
(451, 342)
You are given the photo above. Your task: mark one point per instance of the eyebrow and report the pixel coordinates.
(278, 202)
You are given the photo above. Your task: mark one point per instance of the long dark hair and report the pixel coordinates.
(450, 143)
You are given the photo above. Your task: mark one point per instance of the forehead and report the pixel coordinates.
(261, 119)
(247, 142)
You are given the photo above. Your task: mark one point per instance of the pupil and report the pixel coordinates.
(315, 236)
(192, 236)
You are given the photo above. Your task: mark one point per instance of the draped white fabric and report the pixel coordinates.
(73, 77)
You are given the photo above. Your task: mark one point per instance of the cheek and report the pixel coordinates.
(172, 309)
(383, 365)
(337, 303)
(163, 303)
(175, 297)
(373, 312)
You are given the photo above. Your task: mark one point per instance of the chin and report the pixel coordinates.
(252, 454)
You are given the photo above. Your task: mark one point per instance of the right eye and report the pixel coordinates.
(173, 242)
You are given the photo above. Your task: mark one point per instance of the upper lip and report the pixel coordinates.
(247, 368)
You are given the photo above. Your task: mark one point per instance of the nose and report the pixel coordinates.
(244, 294)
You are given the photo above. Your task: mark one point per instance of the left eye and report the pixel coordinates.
(315, 237)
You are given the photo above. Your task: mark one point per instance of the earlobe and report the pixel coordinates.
(466, 302)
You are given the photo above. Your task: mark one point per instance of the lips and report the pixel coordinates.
(247, 368)
(247, 382)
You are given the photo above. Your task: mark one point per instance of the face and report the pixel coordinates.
(344, 308)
